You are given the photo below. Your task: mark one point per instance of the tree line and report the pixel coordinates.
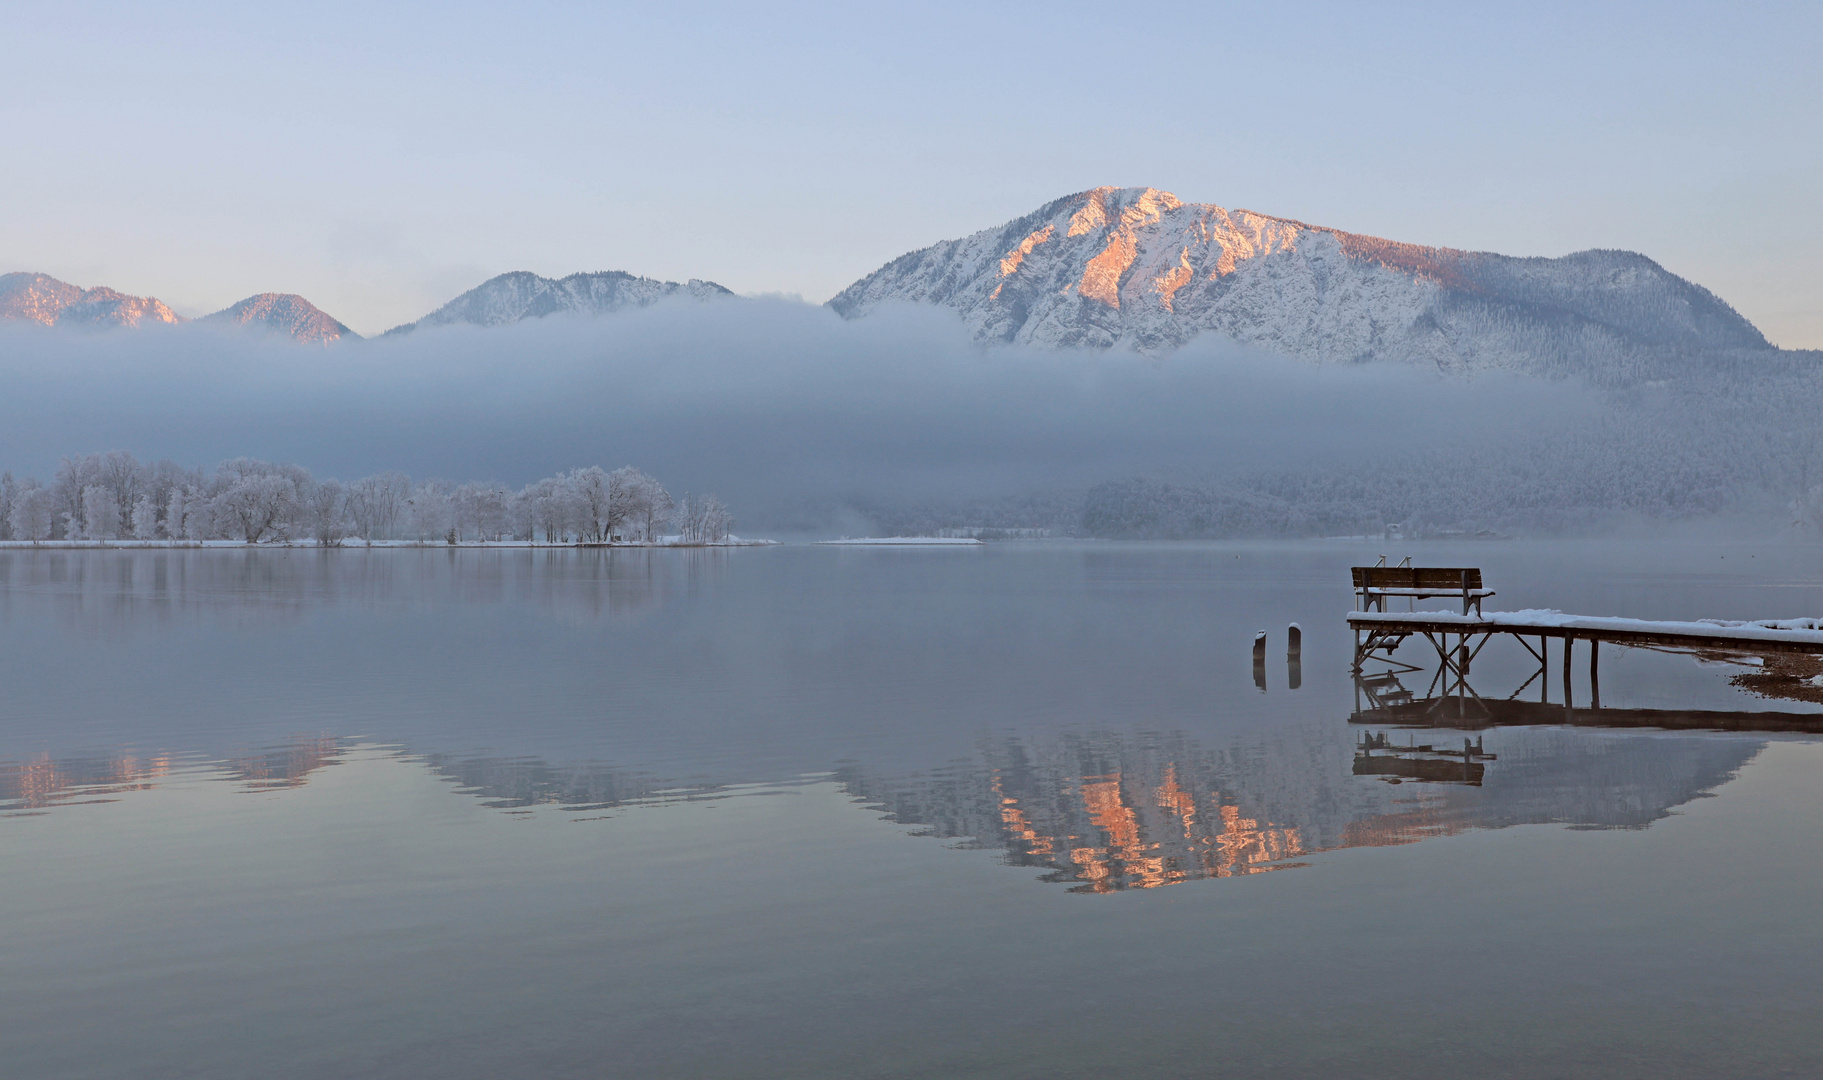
(114, 496)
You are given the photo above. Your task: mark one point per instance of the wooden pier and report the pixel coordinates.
(1458, 637)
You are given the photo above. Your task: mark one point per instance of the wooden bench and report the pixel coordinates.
(1373, 584)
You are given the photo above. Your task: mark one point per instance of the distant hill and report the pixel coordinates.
(1138, 267)
(43, 299)
(521, 295)
(285, 313)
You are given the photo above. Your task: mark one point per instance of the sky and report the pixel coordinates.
(382, 158)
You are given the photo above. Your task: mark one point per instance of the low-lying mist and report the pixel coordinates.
(801, 421)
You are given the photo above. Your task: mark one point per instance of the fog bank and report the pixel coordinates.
(799, 419)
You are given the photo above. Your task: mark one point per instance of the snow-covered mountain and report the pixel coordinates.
(1140, 268)
(285, 313)
(43, 299)
(523, 295)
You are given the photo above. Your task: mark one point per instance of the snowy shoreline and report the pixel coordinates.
(358, 545)
(903, 541)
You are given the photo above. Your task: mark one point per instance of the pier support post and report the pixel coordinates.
(1595, 673)
(1569, 700)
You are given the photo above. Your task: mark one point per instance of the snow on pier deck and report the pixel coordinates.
(1769, 635)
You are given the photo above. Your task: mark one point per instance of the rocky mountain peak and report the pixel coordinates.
(47, 301)
(512, 297)
(1138, 267)
(285, 313)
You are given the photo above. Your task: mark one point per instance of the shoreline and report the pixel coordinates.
(358, 545)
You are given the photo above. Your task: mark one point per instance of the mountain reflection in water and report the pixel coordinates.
(42, 782)
(1098, 811)
(1106, 811)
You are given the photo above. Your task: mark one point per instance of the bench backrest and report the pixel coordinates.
(1449, 578)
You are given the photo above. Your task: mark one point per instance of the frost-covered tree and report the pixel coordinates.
(589, 489)
(256, 500)
(74, 475)
(549, 505)
(702, 519)
(34, 511)
(326, 512)
(432, 517)
(483, 511)
(100, 513)
(120, 473)
(9, 490)
(187, 515)
(112, 494)
(376, 505)
(640, 502)
(145, 518)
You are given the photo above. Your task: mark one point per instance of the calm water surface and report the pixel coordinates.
(1019, 811)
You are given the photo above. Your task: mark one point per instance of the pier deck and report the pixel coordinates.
(1706, 635)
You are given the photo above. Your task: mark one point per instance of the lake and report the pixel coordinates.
(1012, 811)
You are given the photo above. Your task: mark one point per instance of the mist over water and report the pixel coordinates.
(807, 423)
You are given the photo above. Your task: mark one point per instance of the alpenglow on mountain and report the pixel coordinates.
(43, 299)
(285, 313)
(523, 295)
(1138, 267)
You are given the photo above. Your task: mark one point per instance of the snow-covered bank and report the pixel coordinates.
(905, 541)
(356, 545)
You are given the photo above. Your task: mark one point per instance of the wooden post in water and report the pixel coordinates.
(1259, 661)
(1594, 673)
(1569, 701)
(1294, 656)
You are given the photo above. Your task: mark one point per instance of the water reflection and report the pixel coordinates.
(106, 590)
(1382, 698)
(43, 782)
(519, 783)
(1098, 811)
(284, 766)
(1104, 811)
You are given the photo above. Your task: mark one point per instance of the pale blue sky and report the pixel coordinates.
(380, 158)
